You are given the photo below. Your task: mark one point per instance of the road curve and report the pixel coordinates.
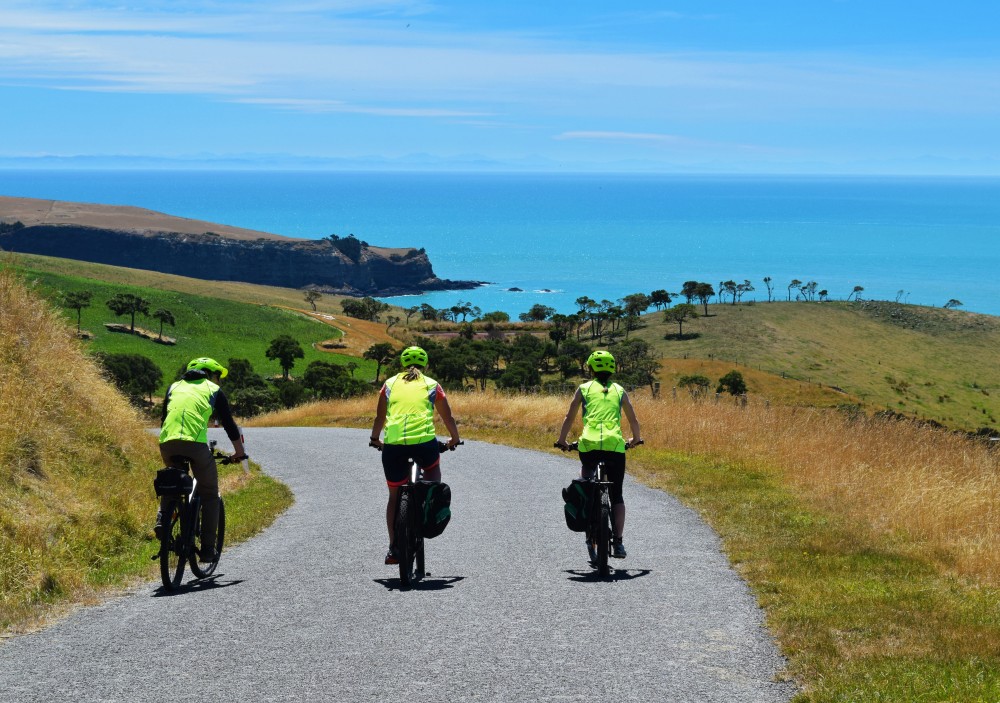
(511, 611)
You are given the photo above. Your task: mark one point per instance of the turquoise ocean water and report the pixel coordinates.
(557, 237)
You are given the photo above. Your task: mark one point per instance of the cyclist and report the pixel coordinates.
(187, 408)
(602, 440)
(405, 410)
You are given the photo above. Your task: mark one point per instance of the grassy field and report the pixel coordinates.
(873, 546)
(76, 469)
(206, 326)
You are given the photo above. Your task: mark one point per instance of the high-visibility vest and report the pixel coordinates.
(410, 409)
(189, 407)
(602, 417)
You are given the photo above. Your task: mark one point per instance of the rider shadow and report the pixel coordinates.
(591, 576)
(424, 584)
(205, 584)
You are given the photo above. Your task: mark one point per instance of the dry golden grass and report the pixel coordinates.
(934, 492)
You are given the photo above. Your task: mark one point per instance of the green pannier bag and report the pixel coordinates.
(578, 498)
(436, 511)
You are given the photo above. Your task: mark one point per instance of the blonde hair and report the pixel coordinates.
(413, 373)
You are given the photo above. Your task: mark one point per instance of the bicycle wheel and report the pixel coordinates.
(604, 534)
(172, 552)
(419, 549)
(203, 569)
(405, 542)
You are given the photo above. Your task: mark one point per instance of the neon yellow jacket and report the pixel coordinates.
(189, 408)
(602, 417)
(409, 409)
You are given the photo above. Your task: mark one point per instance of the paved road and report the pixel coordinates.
(307, 611)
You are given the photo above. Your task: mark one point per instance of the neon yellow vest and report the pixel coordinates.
(410, 410)
(188, 411)
(602, 417)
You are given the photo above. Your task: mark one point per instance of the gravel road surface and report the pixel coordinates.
(307, 611)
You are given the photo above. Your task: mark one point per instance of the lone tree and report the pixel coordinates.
(696, 384)
(382, 354)
(311, 296)
(796, 283)
(78, 300)
(285, 350)
(856, 292)
(704, 293)
(769, 282)
(678, 314)
(164, 316)
(953, 303)
(128, 304)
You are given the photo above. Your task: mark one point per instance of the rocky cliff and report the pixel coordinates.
(144, 239)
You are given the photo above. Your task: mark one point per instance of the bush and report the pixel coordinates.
(135, 375)
(732, 383)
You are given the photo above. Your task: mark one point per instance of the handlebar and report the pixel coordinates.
(442, 446)
(224, 458)
(575, 446)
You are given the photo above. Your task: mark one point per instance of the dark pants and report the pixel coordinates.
(206, 474)
(614, 470)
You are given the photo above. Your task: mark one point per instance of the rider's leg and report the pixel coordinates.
(390, 510)
(207, 474)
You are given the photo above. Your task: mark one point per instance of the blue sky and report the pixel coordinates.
(807, 86)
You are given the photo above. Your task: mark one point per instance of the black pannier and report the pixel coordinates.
(436, 513)
(579, 499)
(172, 481)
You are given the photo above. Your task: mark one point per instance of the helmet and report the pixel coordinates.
(601, 360)
(204, 363)
(413, 356)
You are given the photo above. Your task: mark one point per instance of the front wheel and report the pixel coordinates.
(172, 548)
(404, 538)
(203, 569)
(604, 536)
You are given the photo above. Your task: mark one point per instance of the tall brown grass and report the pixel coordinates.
(929, 491)
(75, 460)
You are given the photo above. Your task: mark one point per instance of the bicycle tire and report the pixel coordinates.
(604, 535)
(404, 538)
(172, 551)
(206, 569)
(419, 549)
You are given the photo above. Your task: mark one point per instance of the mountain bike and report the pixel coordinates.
(180, 541)
(408, 538)
(599, 533)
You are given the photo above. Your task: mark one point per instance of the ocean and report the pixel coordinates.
(558, 237)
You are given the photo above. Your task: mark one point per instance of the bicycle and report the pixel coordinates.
(408, 538)
(181, 521)
(599, 532)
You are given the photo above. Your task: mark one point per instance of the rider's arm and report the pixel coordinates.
(574, 407)
(225, 417)
(166, 401)
(380, 411)
(444, 410)
(632, 421)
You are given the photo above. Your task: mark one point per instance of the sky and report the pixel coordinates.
(771, 86)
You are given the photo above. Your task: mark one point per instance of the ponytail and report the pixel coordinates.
(412, 373)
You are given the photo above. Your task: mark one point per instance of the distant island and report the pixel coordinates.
(145, 239)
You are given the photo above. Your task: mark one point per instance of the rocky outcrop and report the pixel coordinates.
(347, 266)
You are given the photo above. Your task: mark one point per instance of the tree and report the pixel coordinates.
(134, 375)
(635, 362)
(165, 317)
(311, 296)
(696, 384)
(634, 305)
(410, 312)
(366, 308)
(809, 290)
(327, 380)
(824, 294)
(730, 288)
(285, 349)
(689, 290)
(537, 313)
(704, 293)
(519, 374)
(953, 303)
(678, 314)
(659, 298)
(428, 312)
(391, 320)
(742, 289)
(856, 292)
(78, 300)
(794, 284)
(495, 316)
(128, 304)
(768, 281)
(382, 354)
(732, 383)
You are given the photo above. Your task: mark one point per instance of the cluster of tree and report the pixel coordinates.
(6, 227)
(697, 384)
(120, 304)
(366, 308)
(350, 246)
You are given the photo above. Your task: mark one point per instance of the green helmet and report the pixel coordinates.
(601, 360)
(413, 356)
(203, 363)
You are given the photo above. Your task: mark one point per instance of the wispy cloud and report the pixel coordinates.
(330, 106)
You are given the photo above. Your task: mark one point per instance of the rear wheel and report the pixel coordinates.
(203, 569)
(405, 542)
(604, 535)
(172, 547)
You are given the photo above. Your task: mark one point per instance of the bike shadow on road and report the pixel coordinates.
(439, 583)
(591, 575)
(205, 584)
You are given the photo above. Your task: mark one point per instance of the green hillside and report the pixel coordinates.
(933, 363)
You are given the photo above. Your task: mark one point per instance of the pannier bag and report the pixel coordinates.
(436, 508)
(172, 481)
(578, 498)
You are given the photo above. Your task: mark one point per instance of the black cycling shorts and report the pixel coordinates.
(396, 464)
(614, 469)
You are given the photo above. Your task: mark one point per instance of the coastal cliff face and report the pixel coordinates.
(344, 266)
